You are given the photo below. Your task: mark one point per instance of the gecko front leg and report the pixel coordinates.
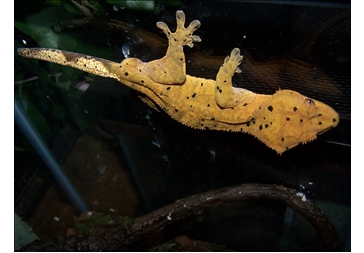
(171, 69)
(228, 96)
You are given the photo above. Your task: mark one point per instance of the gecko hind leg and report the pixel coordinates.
(228, 96)
(171, 69)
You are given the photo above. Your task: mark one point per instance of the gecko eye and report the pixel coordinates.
(309, 102)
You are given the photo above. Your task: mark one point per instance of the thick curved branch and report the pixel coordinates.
(195, 204)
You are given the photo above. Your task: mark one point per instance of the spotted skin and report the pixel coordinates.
(281, 121)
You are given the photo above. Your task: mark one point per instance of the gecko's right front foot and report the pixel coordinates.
(227, 96)
(232, 62)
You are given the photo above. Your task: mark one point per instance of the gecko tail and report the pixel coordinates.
(93, 65)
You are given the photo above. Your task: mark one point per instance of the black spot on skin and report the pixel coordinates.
(181, 59)
(201, 84)
(282, 139)
(217, 87)
(201, 124)
(294, 108)
(320, 123)
(266, 125)
(220, 91)
(260, 108)
(176, 110)
(126, 74)
(333, 120)
(188, 97)
(260, 127)
(319, 115)
(140, 70)
(224, 81)
(84, 65)
(120, 66)
(168, 88)
(245, 104)
(270, 108)
(142, 81)
(288, 119)
(301, 120)
(95, 67)
(208, 105)
(202, 119)
(193, 95)
(212, 118)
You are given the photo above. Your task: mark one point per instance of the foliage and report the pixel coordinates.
(46, 90)
(95, 221)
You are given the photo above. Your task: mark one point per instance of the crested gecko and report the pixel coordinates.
(281, 121)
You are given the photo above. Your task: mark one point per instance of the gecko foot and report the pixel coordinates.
(171, 69)
(227, 96)
(183, 36)
(232, 62)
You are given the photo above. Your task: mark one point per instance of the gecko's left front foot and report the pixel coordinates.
(171, 69)
(183, 36)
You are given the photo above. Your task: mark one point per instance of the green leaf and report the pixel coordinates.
(16, 148)
(134, 4)
(71, 8)
(43, 35)
(54, 2)
(40, 27)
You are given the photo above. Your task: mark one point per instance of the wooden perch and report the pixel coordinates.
(158, 219)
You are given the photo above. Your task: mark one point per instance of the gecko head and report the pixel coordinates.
(290, 118)
(305, 117)
(323, 119)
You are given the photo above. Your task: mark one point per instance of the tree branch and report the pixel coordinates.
(158, 219)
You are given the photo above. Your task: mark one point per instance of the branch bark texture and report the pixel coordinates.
(158, 219)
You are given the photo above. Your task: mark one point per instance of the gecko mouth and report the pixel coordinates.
(325, 130)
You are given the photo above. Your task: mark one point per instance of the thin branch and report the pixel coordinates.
(56, 75)
(158, 219)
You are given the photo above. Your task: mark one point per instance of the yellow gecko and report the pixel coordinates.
(281, 121)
